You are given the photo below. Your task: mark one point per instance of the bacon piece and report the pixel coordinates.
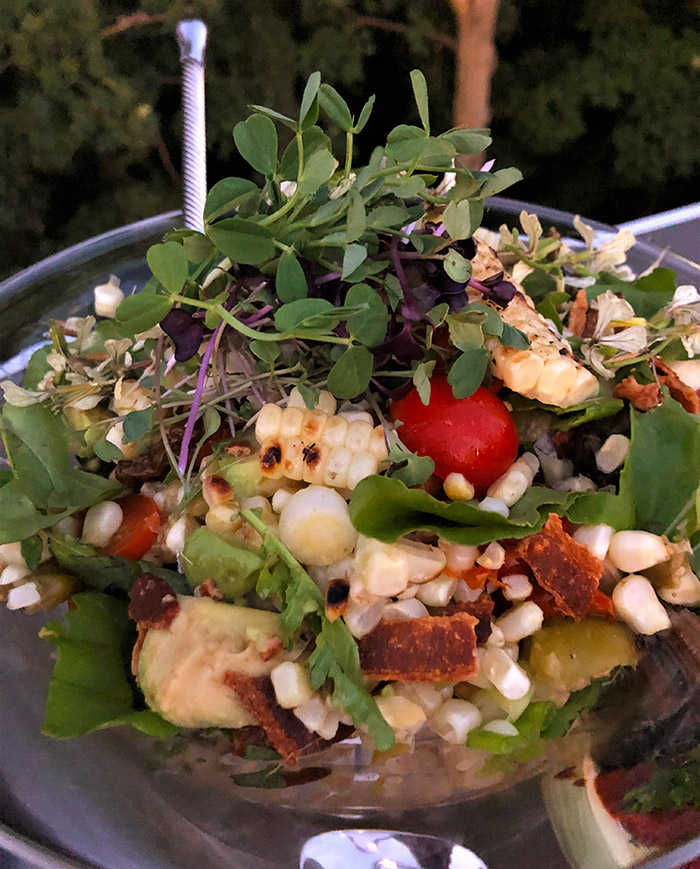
(284, 730)
(481, 609)
(647, 395)
(577, 314)
(427, 649)
(208, 588)
(564, 568)
(152, 603)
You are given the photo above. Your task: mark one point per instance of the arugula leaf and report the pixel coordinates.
(385, 508)
(19, 518)
(662, 469)
(90, 688)
(32, 549)
(647, 295)
(107, 571)
(335, 656)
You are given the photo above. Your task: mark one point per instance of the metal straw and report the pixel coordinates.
(192, 38)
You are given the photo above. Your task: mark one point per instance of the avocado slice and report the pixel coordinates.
(245, 477)
(233, 567)
(181, 668)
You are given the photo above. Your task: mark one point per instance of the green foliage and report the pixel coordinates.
(90, 126)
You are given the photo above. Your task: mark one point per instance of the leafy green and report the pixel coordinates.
(290, 281)
(234, 567)
(137, 423)
(107, 571)
(335, 656)
(32, 550)
(351, 374)
(414, 469)
(256, 140)
(674, 787)
(90, 687)
(385, 508)
(142, 311)
(169, 265)
(468, 370)
(242, 240)
(646, 295)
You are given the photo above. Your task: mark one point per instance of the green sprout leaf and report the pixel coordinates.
(256, 140)
(468, 370)
(242, 240)
(351, 374)
(335, 107)
(420, 92)
(169, 265)
(290, 281)
(308, 113)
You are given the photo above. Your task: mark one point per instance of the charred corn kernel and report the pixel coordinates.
(437, 592)
(216, 490)
(504, 674)
(492, 557)
(24, 596)
(377, 443)
(458, 558)
(405, 609)
(14, 573)
(316, 448)
(537, 372)
(511, 486)
(495, 505)
(108, 297)
(267, 425)
(315, 526)
(428, 697)
(101, 523)
(362, 618)
(638, 606)
(280, 498)
(613, 453)
(291, 422)
(291, 684)
(358, 435)
(11, 553)
(457, 487)
(401, 714)
(631, 551)
(685, 592)
(523, 620)
(335, 431)
(325, 402)
(361, 465)
(221, 519)
(454, 719)
(516, 587)
(312, 713)
(596, 538)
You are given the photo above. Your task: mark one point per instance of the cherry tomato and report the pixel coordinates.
(140, 526)
(474, 436)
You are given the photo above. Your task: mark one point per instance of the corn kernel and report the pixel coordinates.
(101, 523)
(637, 605)
(454, 719)
(291, 684)
(457, 487)
(631, 551)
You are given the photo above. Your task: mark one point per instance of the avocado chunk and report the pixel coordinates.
(233, 567)
(181, 668)
(245, 478)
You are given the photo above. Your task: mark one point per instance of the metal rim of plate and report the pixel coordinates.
(45, 857)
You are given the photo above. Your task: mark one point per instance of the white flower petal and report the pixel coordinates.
(610, 308)
(586, 232)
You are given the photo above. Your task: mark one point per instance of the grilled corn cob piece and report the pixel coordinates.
(313, 446)
(547, 370)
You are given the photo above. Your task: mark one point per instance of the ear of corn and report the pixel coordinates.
(318, 448)
(547, 371)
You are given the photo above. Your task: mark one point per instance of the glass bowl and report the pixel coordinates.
(117, 799)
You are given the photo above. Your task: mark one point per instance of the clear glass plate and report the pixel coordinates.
(111, 799)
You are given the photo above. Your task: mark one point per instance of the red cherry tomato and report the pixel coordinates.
(140, 526)
(473, 436)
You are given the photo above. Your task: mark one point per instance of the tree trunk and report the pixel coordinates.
(475, 64)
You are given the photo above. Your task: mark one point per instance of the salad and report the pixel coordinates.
(351, 465)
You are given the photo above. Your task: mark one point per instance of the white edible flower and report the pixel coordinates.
(586, 232)
(532, 227)
(611, 309)
(18, 396)
(613, 253)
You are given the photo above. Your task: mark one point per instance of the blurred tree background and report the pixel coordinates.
(596, 102)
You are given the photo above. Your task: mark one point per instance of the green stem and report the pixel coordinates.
(348, 153)
(292, 201)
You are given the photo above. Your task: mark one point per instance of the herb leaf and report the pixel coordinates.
(256, 140)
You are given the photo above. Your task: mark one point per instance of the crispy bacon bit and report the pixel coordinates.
(577, 314)
(337, 592)
(208, 589)
(271, 457)
(591, 323)
(644, 396)
(284, 730)
(481, 609)
(152, 603)
(219, 487)
(244, 737)
(238, 450)
(427, 649)
(136, 651)
(563, 567)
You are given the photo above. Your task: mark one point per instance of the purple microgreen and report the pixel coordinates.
(495, 289)
(185, 330)
(408, 309)
(196, 400)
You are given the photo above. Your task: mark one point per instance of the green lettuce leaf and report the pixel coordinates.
(383, 507)
(107, 571)
(90, 687)
(233, 568)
